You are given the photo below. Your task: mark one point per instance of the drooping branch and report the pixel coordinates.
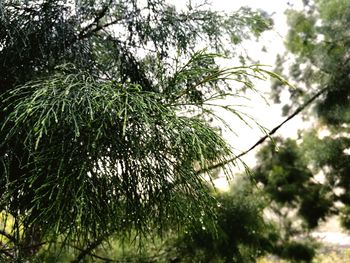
(262, 139)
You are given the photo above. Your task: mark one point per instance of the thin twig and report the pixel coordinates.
(89, 248)
(99, 15)
(8, 236)
(262, 139)
(94, 255)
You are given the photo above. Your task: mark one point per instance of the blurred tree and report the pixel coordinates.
(318, 39)
(289, 183)
(298, 202)
(310, 176)
(103, 122)
(243, 234)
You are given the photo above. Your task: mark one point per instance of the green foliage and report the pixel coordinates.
(318, 38)
(297, 42)
(103, 118)
(282, 170)
(345, 217)
(298, 201)
(128, 153)
(329, 156)
(290, 183)
(110, 38)
(298, 252)
(243, 234)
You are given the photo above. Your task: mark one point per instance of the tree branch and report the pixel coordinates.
(94, 255)
(262, 139)
(89, 248)
(99, 15)
(8, 236)
(87, 34)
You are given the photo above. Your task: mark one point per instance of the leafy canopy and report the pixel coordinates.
(103, 122)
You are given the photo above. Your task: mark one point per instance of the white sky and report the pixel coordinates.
(268, 116)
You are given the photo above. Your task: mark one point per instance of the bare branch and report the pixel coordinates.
(97, 28)
(99, 15)
(8, 236)
(88, 249)
(262, 139)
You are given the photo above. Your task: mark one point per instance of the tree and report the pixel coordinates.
(103, 122)
(289, 182)
(243, 233)
(319, 68)
(318, 40)
(298, 202)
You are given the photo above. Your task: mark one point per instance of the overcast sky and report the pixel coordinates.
(267, 115)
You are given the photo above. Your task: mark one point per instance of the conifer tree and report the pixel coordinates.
(103, 117)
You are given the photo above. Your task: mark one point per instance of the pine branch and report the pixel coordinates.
(262, 139)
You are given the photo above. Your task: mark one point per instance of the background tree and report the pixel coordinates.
(243, 234)
(297, 201)
(103, 128)
(318, 40)
(310, 176)
(283, 172)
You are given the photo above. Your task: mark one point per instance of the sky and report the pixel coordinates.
(267, 115)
